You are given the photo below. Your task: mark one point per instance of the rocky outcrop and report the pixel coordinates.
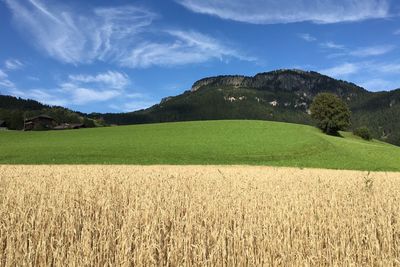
(304, 82)
(234, 80)
(287, 79)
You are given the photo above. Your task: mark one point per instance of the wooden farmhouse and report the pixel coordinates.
(41, 122)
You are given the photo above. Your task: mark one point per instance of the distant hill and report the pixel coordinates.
(14, 110)
(282, 95)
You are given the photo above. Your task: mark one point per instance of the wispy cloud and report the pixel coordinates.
(135, 101)
(80, 89)
(307, 37)
(13, 64)
(186, 47)
(4, 81)
(123, 35)
(379, 84)
(342, 50)
(366, 66)
(341, 70)
(372, 51)
(84, 89)
(372, 75)
(391, 68)
(9, 65)
(79, 95)
(3, 75)
(42, 95)
(359, 52)
(332, 45)
(112, 79)
(79, 38)
(134, 105)
(396, 32)
(288, 11)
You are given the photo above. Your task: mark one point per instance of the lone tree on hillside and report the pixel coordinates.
(331, 113)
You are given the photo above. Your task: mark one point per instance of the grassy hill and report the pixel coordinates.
(282, 95)
(205, 142)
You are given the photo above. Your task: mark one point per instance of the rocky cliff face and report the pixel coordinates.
(284, 79)
(303, 82)
(233, 80)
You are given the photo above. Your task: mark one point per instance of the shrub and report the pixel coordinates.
(363, 132)
(331, 113)
(88, 123)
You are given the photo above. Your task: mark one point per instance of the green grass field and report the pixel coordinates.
(205, 142)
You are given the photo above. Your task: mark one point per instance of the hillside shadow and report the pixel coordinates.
(337, 134)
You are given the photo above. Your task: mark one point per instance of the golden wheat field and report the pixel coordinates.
(197, 216)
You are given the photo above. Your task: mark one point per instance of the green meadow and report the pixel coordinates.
(203, 142)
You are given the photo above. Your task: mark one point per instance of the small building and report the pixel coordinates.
(41, 122)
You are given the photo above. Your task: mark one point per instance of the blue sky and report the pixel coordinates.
(123, 55)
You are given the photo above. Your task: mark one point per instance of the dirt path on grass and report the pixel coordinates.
(90, 171)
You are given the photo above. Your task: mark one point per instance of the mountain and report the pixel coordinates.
(14, 110)
(282, 95)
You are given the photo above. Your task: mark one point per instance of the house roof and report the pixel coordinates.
(39, 117)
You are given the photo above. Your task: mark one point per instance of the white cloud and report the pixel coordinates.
(289, 11)
(391, 68)
(332, 45)
(123, 35)
(372, 75)
(360, 52)
(13, 64)
(83, 89)
(82, 96)
(372, 51)
(112, 79)
(186, 47)
(137, 105)
(80, 89)
(4, 81)
(7, 83)
(72, 37)
(41, 95)
(45, 97)
(396, 32)
(3, 75)
(307, 37)
(341, 70)
(133, 105)
(379, 85)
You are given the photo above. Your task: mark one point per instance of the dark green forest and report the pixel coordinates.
(15, 110)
